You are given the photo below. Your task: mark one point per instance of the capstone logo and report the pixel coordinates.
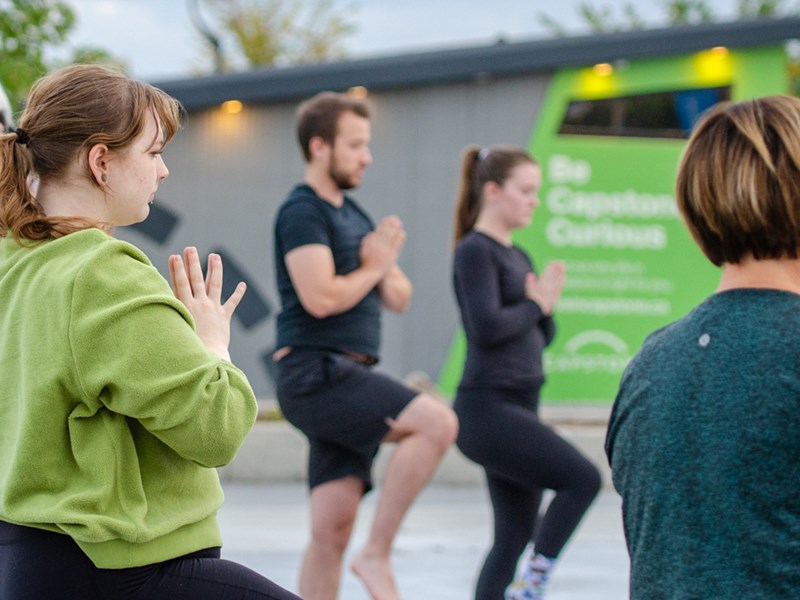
(591, 351)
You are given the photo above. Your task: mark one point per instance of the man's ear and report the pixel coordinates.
(318, 147)
(98, 163)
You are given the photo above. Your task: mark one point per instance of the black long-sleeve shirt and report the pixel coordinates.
(506, 332)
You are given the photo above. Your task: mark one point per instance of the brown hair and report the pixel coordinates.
(67, 112)
(479, 167)
(319, 116)
(739, 178)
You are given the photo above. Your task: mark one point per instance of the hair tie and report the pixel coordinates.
(22, 137)
(484, 152)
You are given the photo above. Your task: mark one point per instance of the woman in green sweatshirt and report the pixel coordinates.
(117, 395)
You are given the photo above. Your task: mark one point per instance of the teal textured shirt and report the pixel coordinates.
(704, 446)
(113, 414)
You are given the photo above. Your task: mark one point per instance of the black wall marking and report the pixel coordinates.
(159, 224)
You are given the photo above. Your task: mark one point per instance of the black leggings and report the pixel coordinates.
(500, 430)
(41, 565)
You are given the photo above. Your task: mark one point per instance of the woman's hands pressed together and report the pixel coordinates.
(545, 290)
(203, 298)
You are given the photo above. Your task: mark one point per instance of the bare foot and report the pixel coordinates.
(375, 572)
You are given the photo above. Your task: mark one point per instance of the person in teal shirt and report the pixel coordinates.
(118, 397)
(704, 435)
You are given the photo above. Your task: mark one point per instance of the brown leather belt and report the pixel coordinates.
(364, 359)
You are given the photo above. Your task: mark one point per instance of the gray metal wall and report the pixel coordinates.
(229, 173)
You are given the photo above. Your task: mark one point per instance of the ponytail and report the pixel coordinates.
(20, 214)
(468, 201)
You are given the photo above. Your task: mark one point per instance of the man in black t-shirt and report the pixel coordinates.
(335, 270)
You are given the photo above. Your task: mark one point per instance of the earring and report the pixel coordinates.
(104, 178)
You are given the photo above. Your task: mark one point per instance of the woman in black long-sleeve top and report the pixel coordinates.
(506, 312)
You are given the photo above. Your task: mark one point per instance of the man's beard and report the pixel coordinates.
(342, 180)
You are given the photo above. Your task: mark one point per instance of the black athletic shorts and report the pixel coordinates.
(342, 407)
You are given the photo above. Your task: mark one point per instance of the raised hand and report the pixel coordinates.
(381, 248)
(203, 298)
(546, 289)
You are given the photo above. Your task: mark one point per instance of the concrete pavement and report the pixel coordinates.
(439, 549)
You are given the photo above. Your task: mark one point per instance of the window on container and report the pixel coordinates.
(670, 114)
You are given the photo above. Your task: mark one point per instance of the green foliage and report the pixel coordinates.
(321, 37)
(27, 28)
(602, 18)
(276, 32)
(689, 12)
(89, 55)
(756, 9)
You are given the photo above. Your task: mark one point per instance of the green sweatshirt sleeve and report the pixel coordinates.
(136, 354)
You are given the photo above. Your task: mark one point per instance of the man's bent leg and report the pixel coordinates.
(423, 431)
(333, 511)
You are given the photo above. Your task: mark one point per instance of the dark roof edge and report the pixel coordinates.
(502, 59)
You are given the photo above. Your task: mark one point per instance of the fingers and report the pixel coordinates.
(214, 280)
(173, 265)
(398, 239)
(388, 236)
(556, 268)
(546, 289)
(180, 283)
(390, 221)
(187, 276)
(555, 274)
(194, 270)
(213, 285)
(391, 229)
(236, 297)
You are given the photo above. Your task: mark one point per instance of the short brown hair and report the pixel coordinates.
(318, 117)
(738, 184)
(69, 111)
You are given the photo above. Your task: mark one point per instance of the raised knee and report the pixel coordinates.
(451, 426)
(430, 419)
(445, 425)
(590, 483)
(597, 481)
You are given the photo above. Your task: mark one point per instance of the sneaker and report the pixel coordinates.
(527, 588)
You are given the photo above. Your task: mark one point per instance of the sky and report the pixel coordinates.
(157, 41)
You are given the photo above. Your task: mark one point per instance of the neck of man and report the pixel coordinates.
(775, 274)
(322, 183)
